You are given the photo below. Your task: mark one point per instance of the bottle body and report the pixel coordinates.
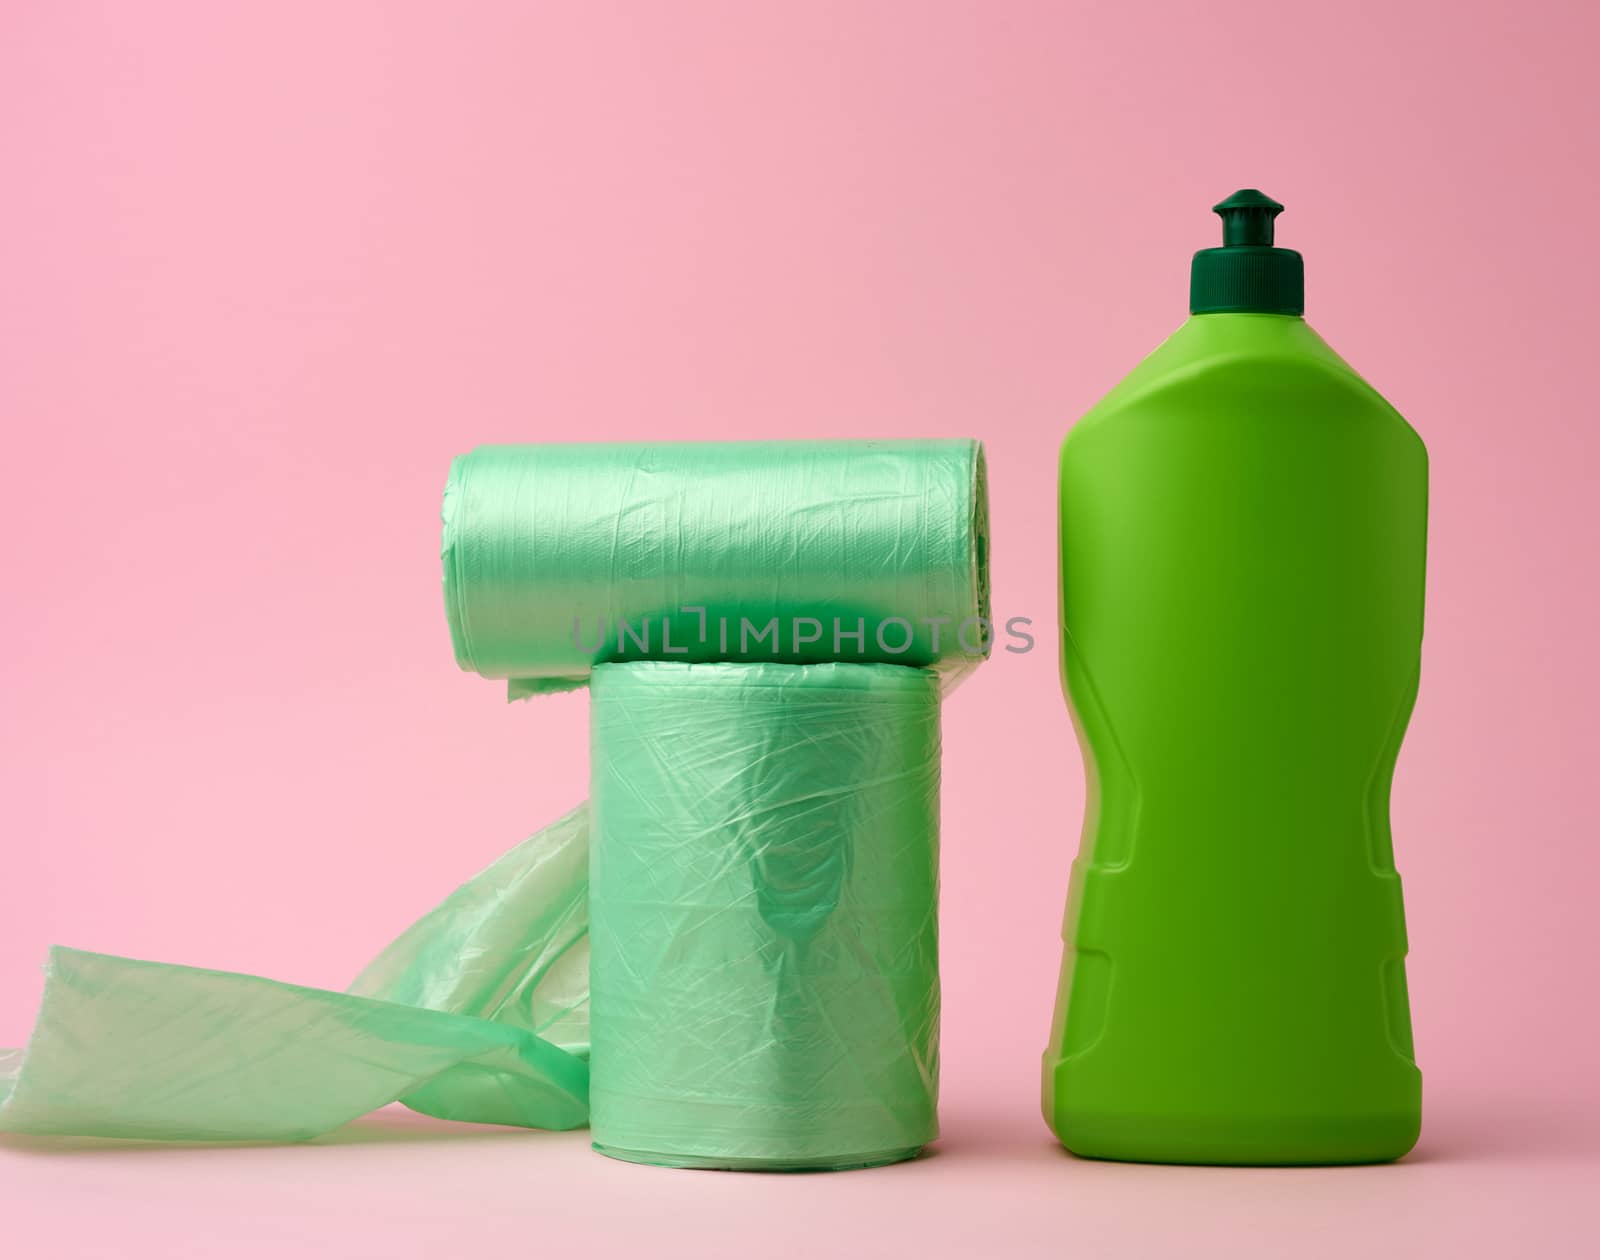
(1243, 528)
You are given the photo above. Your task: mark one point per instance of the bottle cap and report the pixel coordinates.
(1248, 273)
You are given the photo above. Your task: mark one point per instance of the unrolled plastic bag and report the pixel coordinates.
(446, 1020)
(510, 945)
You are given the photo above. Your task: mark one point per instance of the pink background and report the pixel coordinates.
(266, 267)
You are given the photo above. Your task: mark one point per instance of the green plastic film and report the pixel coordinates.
(763, 885)
(511, 944)
(130, 1049)
(559, 557)
(469, 1015)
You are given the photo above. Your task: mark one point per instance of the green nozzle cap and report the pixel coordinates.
(1248, 273)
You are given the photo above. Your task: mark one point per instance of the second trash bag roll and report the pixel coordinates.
(558, 557)
(763, 886)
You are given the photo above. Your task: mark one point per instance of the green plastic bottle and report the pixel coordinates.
(1243, 528)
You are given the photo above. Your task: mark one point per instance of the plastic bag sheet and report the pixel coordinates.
(763, 890)
(557, 557)
(479, 1012)
(510, 945)
(130, 1049)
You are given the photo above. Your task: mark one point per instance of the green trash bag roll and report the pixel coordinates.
(763, 884)
(478, 1012)
(559, 557)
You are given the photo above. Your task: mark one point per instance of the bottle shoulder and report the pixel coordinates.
(1233, 368)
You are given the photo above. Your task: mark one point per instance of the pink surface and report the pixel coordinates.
(266, 268)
